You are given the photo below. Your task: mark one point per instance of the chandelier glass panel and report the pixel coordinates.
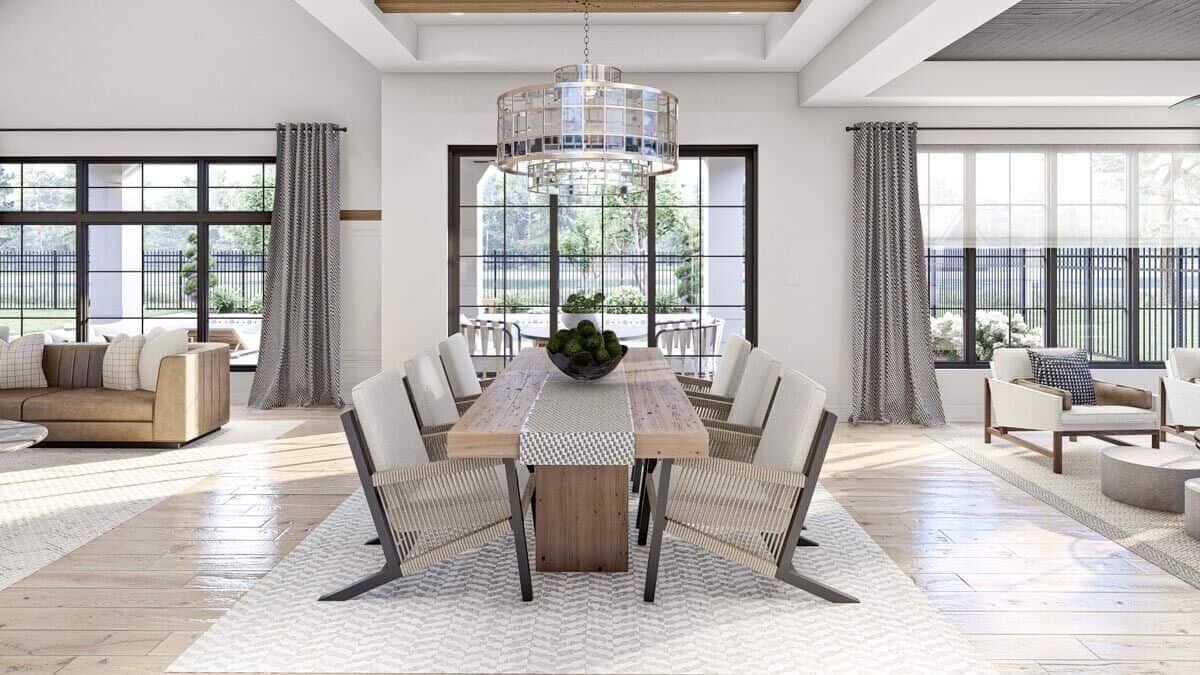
(587, 133)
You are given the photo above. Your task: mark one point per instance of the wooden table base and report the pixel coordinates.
(582, 520)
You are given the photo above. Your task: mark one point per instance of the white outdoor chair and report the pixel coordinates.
(728, 373)
(690, 341)
(499, 340)
(751, 513)
(1180, 391)
(465, 383)
(427, 509)
(1013, 401)
(430, 395)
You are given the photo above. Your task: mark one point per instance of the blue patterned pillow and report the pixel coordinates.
(1067, 371)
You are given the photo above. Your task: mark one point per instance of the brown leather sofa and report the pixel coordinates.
(192, 398)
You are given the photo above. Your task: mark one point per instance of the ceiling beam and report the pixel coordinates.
(633, 48)
(389, 42)
(599, 6)
(797, 37)
(1048, 83)
(883, 42)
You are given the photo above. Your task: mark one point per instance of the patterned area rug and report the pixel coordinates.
(465, 615)
(54, 500)
(1157, 536)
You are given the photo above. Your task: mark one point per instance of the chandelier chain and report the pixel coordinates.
(587, 32)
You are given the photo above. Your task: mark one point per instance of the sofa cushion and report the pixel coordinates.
(21, 362)
(160, 343)
(11, 400)
(74, 365)
(1068, 372)
(91, 405)
(120, 368)
(1105, 418)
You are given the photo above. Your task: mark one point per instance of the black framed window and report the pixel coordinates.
(1089, 247)
(675, 264)
(93, 247)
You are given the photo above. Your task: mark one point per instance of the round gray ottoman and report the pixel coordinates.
(1149, 478)
(1191, 518)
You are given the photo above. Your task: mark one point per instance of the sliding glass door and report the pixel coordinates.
(675, 265)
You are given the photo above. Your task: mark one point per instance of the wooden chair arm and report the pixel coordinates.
(1045, 389)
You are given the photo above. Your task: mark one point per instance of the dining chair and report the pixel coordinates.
(1179, 394)
(690, 341)
(751, 513)
(427, 509)
(430, 395)
(465, 383)
(727, 374)
(747, 409)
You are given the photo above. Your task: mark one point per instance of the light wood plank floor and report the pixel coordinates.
(1035, 590)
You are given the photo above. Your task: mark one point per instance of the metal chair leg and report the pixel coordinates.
(517, 519)
(643, 515)
(660, 522)
(813, 586)
(805, 541)
(372, 542)
(388, 573)
(637, 475)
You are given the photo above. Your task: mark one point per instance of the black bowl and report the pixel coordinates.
(590, 371)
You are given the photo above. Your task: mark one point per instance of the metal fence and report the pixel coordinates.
(238, 275)
(1091, 297)
(524, 280)
(37, 280)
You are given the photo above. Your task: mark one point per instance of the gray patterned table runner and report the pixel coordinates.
(579, 422)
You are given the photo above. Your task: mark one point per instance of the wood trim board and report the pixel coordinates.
(600, 6)
(361, 214)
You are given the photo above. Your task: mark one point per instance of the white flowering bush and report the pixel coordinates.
(995, 329)
(992, 329)
(947, 334)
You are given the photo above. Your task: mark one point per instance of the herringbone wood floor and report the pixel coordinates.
(1032, 588)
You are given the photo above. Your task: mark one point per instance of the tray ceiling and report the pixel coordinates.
(599, 6)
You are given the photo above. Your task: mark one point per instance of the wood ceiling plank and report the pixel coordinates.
(600, 6)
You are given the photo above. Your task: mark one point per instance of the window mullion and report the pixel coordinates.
(1050, 339)
(969, 256)
(1133, 319)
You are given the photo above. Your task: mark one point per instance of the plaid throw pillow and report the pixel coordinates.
(120, 368)
(1068, 372)
(21, 363)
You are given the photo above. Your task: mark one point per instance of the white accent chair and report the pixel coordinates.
(1009, 406)
(460, 369)
(1180, 392)
(748, 409)
(427, 509)
(430, 394)
(728, 373)
(751, 513)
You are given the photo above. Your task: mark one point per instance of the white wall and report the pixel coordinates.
(128, 63)
(804, 176)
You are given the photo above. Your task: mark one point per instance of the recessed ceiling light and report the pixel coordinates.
(734, 13)
(457, 13)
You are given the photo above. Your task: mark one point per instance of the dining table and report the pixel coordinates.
(580, 439)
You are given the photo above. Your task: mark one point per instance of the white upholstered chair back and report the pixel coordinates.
(486, 337)
(460, 369)
(753, 397)
(1009, 363)
(731, 366)
(1184, 363)
(388, 425)
(430, 390)
(795, 418)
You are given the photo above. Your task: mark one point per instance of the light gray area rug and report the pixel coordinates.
(54, 500)
(465, 615)
(1157, 536)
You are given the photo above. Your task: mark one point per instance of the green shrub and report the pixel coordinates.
(225, 301)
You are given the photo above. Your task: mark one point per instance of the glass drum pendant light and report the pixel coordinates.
(587, 133)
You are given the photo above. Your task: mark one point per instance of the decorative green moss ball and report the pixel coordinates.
(563, 334)
(582, 360)
(609, 336)
(585, 328)
(601, 355)
(572, 347)
(555, 344)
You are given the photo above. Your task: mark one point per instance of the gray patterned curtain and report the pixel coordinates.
(299, 361)
(892, 359)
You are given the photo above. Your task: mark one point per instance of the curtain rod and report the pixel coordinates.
(162, 129)
(856, 127)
